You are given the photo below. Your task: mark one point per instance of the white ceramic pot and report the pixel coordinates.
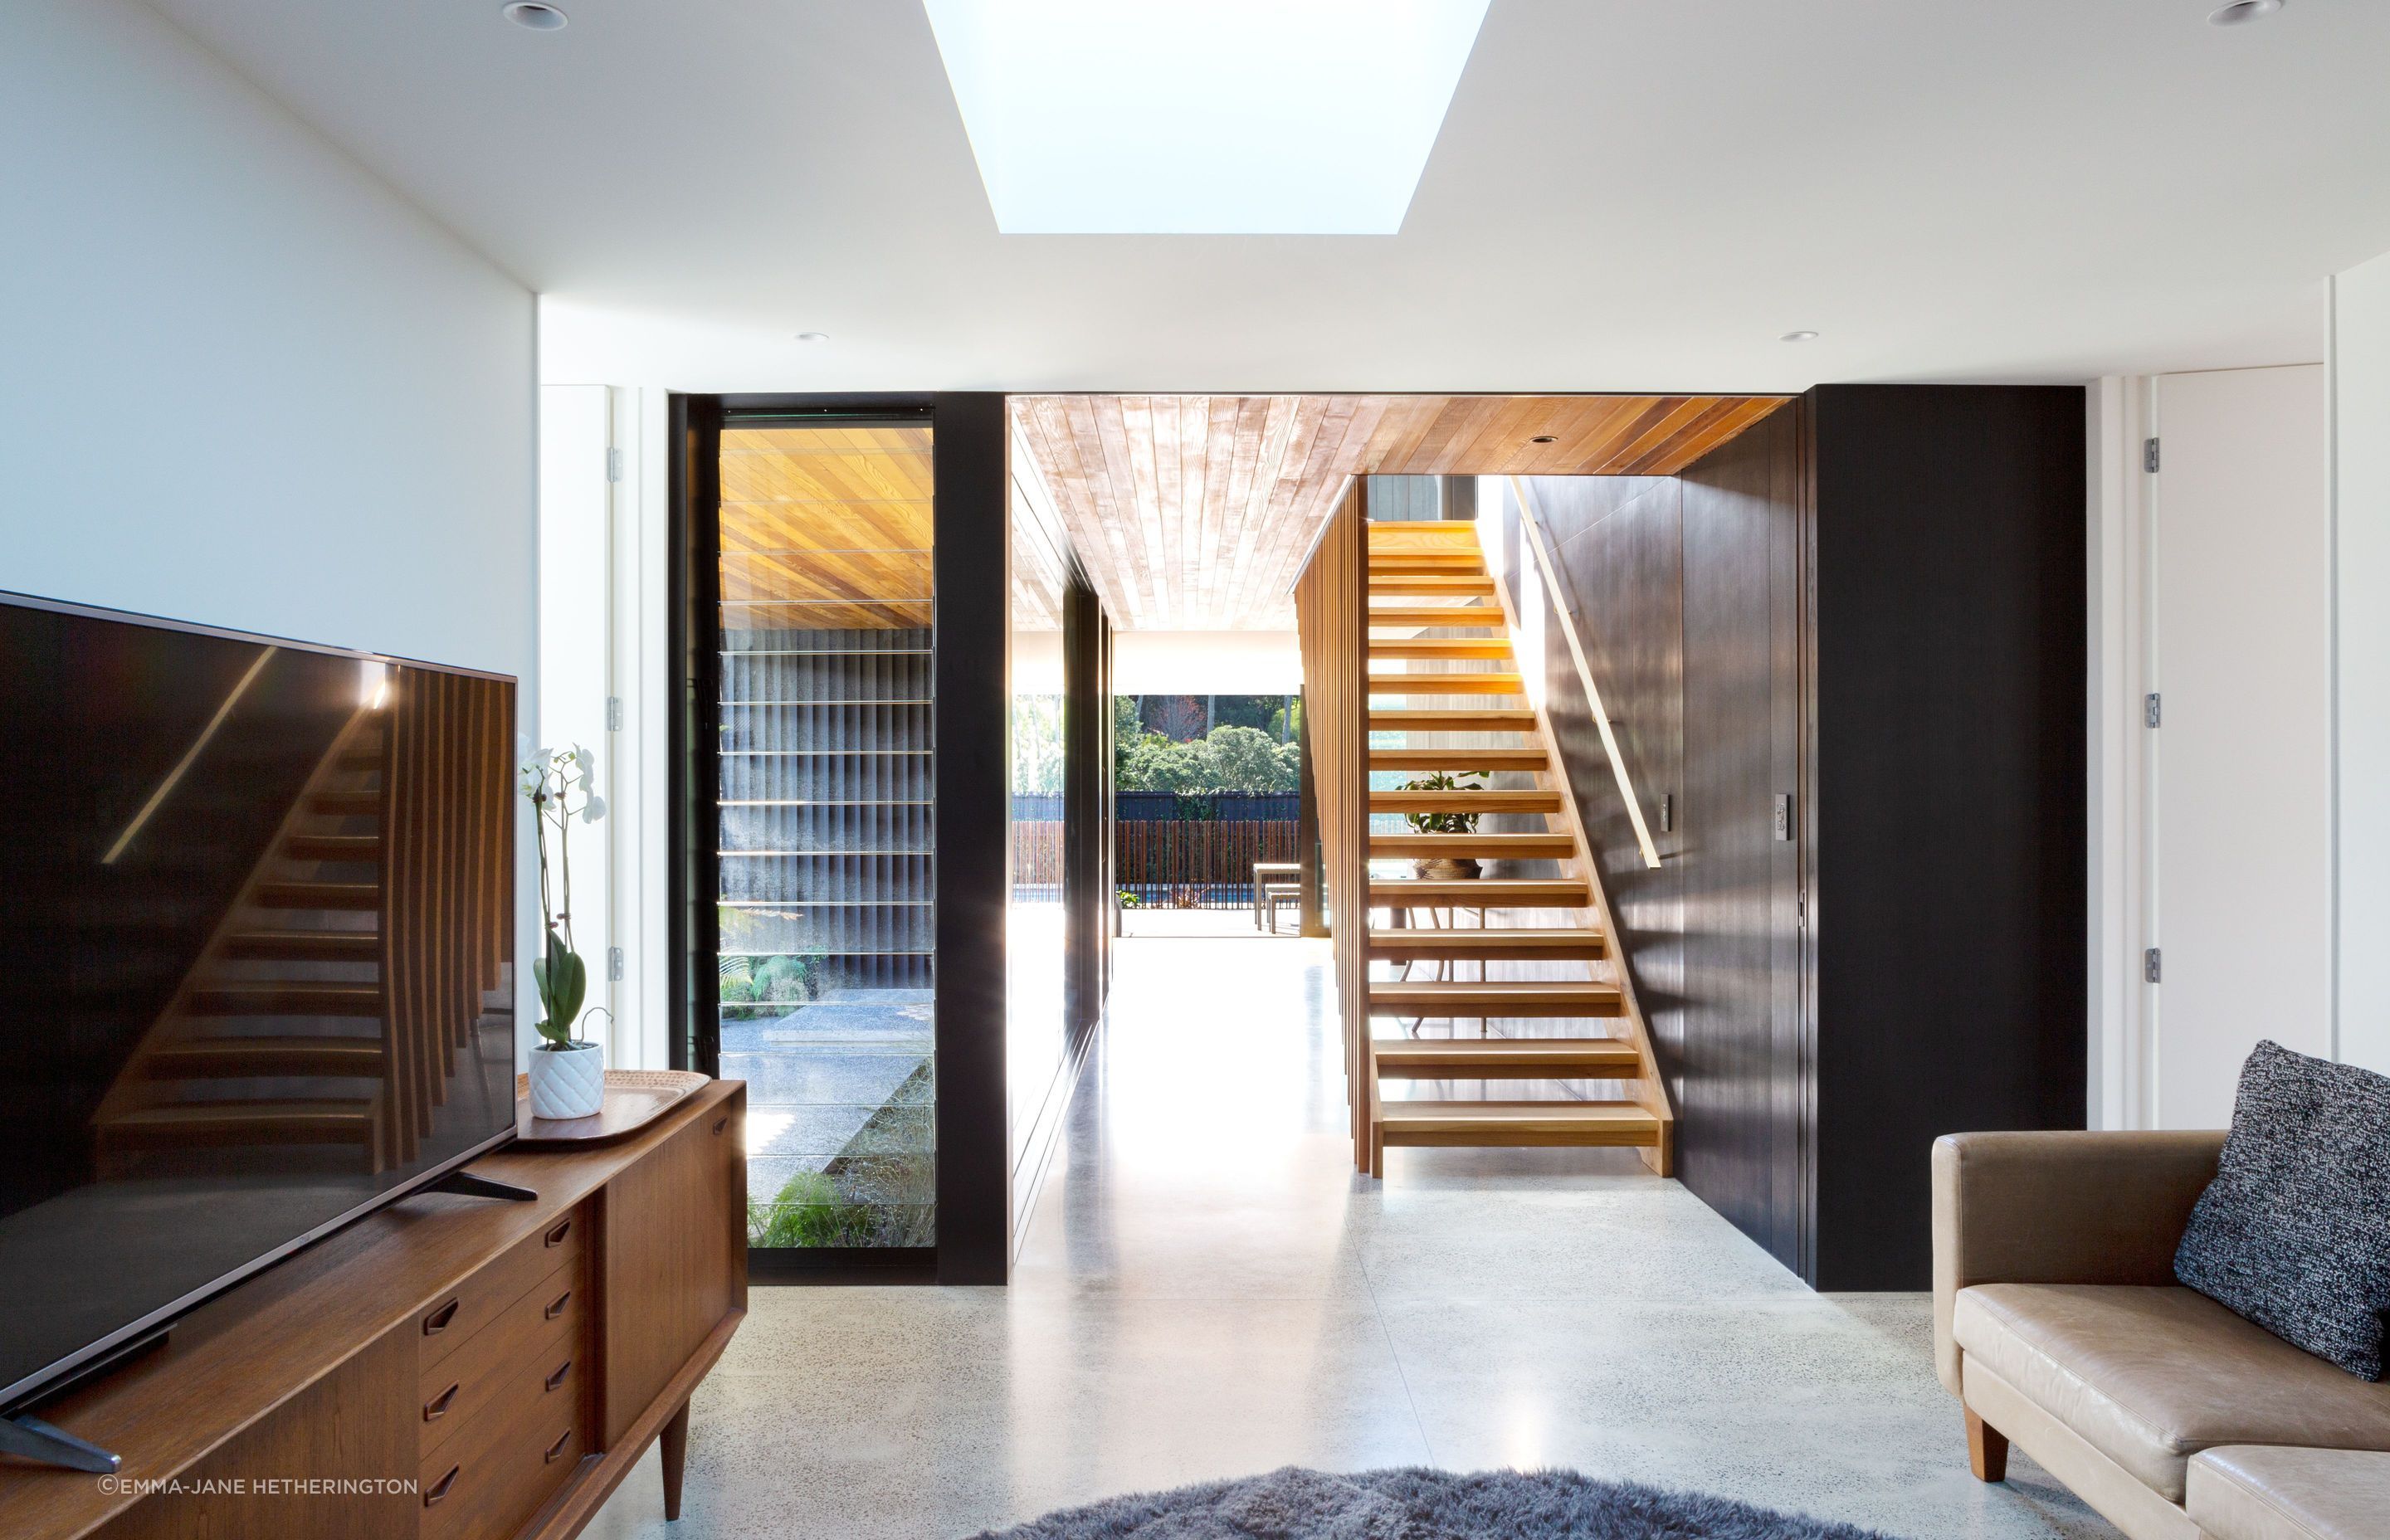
(568, 1083)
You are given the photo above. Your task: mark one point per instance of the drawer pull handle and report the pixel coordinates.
(563, 1370)
(437, 1322)
(437, 1408)
(555, 1237)
(558, 1447)
(439, 1488)
(721, 1123)
(556, 1306)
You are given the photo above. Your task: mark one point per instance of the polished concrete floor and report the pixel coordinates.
(1206, 1289)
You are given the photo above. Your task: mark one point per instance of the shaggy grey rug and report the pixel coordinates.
(1295, 1504)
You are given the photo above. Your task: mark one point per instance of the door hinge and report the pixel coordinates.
(613, 713)
(1667, 811)
(2149, 969)
(614, 464)
(1785, 814)
(2148, 454)
(614, 965)
(2150, 710)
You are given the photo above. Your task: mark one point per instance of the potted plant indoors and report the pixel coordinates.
(1442, 869)
(568, 1074)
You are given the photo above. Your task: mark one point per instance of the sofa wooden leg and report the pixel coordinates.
(1987, 1450)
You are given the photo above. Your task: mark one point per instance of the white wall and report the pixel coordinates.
(2359, 381)
(576, 673)
(242, 380)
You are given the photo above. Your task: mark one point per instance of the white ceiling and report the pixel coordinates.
(1628, 194)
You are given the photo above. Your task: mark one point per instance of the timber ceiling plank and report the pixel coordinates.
(1190, 512)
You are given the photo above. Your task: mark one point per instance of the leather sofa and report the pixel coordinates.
(2060, 1328)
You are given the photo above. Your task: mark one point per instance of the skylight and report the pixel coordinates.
(1202, 117)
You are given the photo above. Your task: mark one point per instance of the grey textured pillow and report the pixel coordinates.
(2294, 1232)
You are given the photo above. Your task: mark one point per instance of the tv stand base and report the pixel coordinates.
(464, 1183)
(28, 1437)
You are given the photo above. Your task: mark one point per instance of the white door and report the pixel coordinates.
(2240, 765)
(575, 639)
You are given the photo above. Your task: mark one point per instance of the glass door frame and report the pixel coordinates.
(971, 691)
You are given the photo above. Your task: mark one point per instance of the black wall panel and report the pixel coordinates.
(1869, 605)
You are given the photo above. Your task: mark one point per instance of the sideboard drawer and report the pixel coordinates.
(487, 1488)
(449, 1320)
(531, 1341)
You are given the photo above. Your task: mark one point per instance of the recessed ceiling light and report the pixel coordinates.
(538, 17)
(2242, 10)
(812, 337)
(1798, 337)
(1090, 117)
(1545, 438)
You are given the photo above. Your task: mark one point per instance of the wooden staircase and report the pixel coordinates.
(276, 1036)
(1502, 981)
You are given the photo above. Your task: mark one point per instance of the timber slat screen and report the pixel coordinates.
(1330, 601)
(1171, 850)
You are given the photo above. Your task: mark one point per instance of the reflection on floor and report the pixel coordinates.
(1142, 923)
(1207, 1290)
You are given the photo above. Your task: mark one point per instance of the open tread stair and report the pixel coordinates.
(1455, 616)
(1462, 800)
(1493, 1124)
(1442, 648)
(1494, 892)
(1506, 1058)
(1551, 944)
(1460, 759)
(1445, 683)
(1430, 579)
(1472, 847)
(1420, 584)
(1439, 999)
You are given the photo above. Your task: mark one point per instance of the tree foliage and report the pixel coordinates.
(1228, 759)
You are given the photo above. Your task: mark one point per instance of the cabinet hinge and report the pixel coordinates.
(2149, 969)
(614, 464)
(2150, 710)
(614, 965)
(613, 713)
(2149, 454)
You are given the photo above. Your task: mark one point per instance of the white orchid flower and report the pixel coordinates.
(595, 811)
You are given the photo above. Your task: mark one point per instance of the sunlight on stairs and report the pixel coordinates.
(1487, 982)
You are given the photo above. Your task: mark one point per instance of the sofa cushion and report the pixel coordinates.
(2294, 1232)
(2151, 1375)
(2249, 1493)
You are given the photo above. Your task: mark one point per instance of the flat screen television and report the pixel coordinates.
(256, 960)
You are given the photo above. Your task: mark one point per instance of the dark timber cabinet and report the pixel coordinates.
(1868, 610)
(491, 1368)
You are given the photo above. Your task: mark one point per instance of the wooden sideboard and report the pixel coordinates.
(446, 1369)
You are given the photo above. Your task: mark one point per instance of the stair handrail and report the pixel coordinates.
(1533, 527)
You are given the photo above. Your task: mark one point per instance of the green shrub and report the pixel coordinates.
(808, 1211)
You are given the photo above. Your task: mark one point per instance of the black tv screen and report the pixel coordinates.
(256, 959)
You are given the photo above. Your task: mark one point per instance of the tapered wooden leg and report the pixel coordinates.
(676, 1451)
(1987, 1450)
